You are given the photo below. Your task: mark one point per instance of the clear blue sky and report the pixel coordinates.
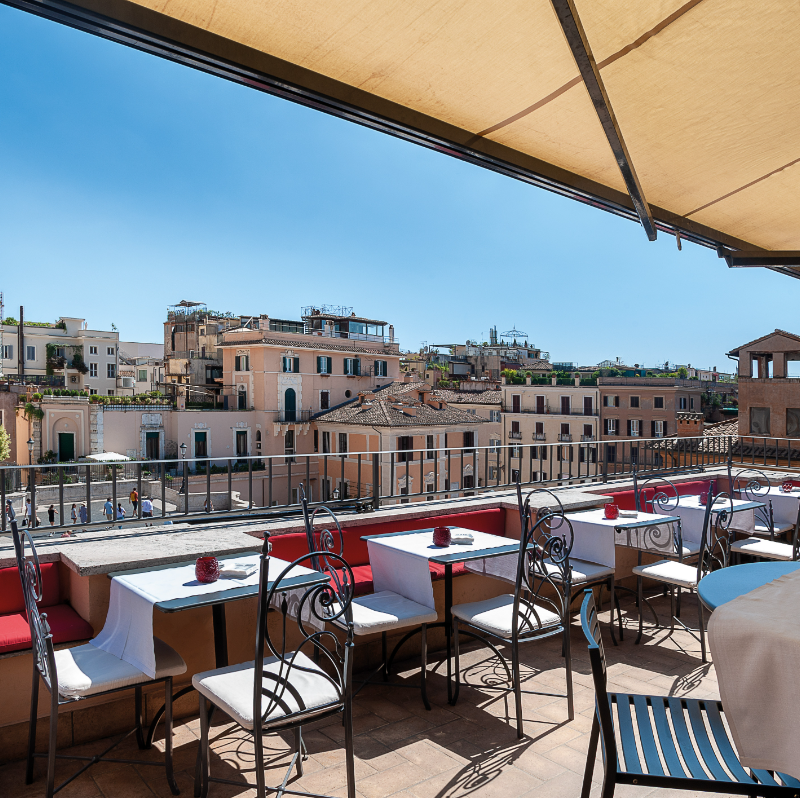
(130, 183)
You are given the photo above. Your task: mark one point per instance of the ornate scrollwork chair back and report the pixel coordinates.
(752, 485)
(656, 495)
(717, 533)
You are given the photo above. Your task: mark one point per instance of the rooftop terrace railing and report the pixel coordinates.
(201, 489)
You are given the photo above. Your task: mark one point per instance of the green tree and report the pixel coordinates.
(5, 444)
(683, 373)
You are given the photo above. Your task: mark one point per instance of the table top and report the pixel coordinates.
(641, 520)
(720, 505)
(726, 584)
(225, 594)
(420, 543)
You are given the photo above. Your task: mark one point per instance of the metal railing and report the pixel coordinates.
(548, 410)
(515, 436)
(291, 416)
(202, 489)
(565, 437)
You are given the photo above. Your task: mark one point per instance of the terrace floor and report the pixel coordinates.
(404, 751)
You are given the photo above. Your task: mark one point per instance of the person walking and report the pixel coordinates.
(73, 514)
(134, 497)
(108, 509)
(84, 515)
(12, 516)
(51, 516)
(26, 512)
(120, 512)
(147, 507)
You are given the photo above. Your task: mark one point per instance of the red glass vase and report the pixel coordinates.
(206, 569)
(611, 511)
(787, 486)
(441, 536)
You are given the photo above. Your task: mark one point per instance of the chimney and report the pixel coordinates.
(263, 323)
(690, 424)
(391, 333)
(528, 380)
(410, 377)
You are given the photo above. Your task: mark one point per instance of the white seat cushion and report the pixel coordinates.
(385, 611)
(762, 530)
(308, 688)
(87, 670)
(583, 571)
(758, 547)
(495, 615)
(670, 571)
(690, 548)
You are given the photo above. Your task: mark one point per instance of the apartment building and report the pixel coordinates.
(66, 354)
(769, 385)
(641, 407)
(562, 414)
(417, 427)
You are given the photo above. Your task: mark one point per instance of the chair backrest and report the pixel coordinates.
(30, 574)
(796, 537)
(323, 539)
(717, 534)
(655, 494)
(752, 485)
(544, 575)
(591, 629)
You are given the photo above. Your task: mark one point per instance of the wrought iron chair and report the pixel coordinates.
(381, 612)
(659, 496)
(280, 690)
(647, 742)
(770, 549)
(714, 553)
(538, 608)
(73, 674)
(750, 484)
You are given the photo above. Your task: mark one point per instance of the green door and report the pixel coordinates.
(152, 445)
(290, 405)
(66, 446)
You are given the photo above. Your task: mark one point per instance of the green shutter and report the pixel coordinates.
(296, 366)
(284, 361)
(357, 366)
(330, 365)
(319, 365)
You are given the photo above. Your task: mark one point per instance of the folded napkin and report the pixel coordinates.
(463, 538)
(237, 569)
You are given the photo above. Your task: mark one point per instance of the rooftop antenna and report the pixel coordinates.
(515, 333)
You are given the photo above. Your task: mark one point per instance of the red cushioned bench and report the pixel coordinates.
(626, 500)
(293, 545)
(15, 634)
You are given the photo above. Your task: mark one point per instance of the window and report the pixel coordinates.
(494, 415)
(288, 445)
(587, 431)
(514, 475)
(324, 400)
(469, 441)
(494, 443)
(111, 351)
(326, 443)
(381, 368)
(657, 429)
(93, 369)
(539, 431)
(516, 403)
(515, 433)
(92, 391)
(200, 444)
(691, 403)
(291, 365)
(634, 425)
(30, 353)
(658, 402)
(611, 426)
(8, 352)
(242, 363)
(110, 391)
(611, 454)
(111, 371)
(792, 422)
(405, 443)
(634, 454)
(634, 401)
(352, 366)
(258, 439)
(342, 443)
(430, 446)
(494, 473)
(682, 403)
(515, 451)
(316, 441)
(610, 401)
(565, 406)
(142, 375)
(759, 421)
(324, 365)
(92, 350)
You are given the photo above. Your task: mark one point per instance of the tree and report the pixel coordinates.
(5, 444)
(683, 373)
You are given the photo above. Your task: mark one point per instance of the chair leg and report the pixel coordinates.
(173, 785)
(671, 609)
(457, 663)
(258, 754)
(702, 627)
(640, 604)
(590, 757)
(32, 726)
(515, 675)
(385, 669)
(424, 666)
(137, 693)
(348, 747)
(298, 744)
(568, 665)
(51, 744)
(201, 772)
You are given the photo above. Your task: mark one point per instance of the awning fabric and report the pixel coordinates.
(706, 92)
(106, 457)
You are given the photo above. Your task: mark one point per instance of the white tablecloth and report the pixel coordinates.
(784, 505)
(692, 514)
(400, 561)
(128, 631)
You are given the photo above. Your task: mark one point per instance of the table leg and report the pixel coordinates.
(220, 635)
(611, 613)
(448, 624)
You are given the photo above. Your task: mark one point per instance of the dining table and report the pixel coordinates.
(692, 513)
(726, 584)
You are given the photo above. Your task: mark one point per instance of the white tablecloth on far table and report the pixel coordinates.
(400, 561)
(692, 515)
(784, 505)
(128, 631)
(755, 642)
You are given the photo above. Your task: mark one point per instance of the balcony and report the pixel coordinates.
(565, 437)
(539, 436)
(291, 416)
(550, 411)
(516, 436)
(585, 438)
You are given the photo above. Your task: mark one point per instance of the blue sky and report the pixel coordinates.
(130, 183)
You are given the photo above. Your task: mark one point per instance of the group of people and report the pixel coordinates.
(147, 507)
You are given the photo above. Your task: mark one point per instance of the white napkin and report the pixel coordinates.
(237, 569)
(463, 538)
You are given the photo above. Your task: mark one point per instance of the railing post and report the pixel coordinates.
(60, 496)
(376, 480)
(208, 486)
(3, 500)
(249, 485)
(605, 461)
(163, 489)
(139, 490)
(113, 492)
(269, 481)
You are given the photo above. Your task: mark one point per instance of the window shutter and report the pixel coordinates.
(616, 401)
(319, 365)
(296, 365)
(357, 366)
(377, 368)
(630, 428)
(284, 361)
(652, 429)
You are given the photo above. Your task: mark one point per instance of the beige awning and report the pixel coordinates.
(706, 92)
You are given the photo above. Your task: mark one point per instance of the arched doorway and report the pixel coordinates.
(290, 405)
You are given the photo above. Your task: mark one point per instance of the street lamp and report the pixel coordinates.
(182, 447)
(30, 451)
(31, 486)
